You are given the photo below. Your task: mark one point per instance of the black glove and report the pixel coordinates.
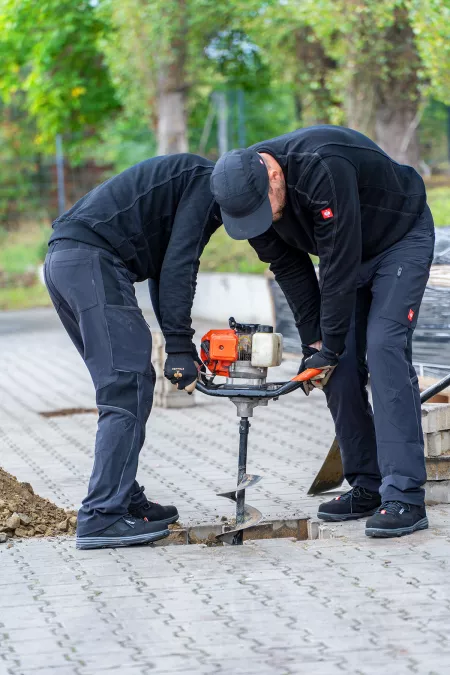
(326, 361)
(181, 369)
(197, 359)
(307, 351)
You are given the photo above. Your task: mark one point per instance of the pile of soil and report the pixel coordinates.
(24, 514)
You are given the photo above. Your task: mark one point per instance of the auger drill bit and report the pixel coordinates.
(246, 515)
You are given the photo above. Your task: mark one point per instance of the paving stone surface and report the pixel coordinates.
(342, 604)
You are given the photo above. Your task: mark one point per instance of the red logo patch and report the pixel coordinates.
(410, 315)
(327, 213)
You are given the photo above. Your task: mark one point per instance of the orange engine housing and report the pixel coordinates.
(219, 349)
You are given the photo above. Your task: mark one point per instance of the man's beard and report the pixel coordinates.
(280, 194)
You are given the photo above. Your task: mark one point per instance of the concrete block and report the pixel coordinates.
(438, 468)
(435, 417)
(313, 528)
(326, 532)
(437, 492)
(437, 443)
(166, 394)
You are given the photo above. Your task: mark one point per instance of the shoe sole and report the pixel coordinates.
(116, 542)
(399, 532)
(336, 517)
(169, 521)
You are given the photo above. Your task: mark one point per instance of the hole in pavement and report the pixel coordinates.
(206, 534)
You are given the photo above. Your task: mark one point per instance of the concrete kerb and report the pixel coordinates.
(219, 296)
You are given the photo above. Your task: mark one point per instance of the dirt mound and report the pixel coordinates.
(24, 514)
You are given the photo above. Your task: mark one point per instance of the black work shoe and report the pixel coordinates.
(394, 519)
(126, 531)
(152, 511)
(356, 503)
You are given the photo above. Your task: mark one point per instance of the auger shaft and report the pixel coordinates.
(244, 426)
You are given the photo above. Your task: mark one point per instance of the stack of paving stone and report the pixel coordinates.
(166, 394)
(436, 431)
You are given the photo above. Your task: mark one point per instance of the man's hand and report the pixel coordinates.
(308, 350)
(182, 369)
(197, 359)
(324, 360)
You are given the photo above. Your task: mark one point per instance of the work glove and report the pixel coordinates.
(307, 351)
(183, 369)
(197, 359)
(326, 361)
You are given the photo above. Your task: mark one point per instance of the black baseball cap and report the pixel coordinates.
(240, 185)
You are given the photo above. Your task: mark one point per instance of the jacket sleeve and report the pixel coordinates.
(332, 189)
(191, 232)
(294, 272)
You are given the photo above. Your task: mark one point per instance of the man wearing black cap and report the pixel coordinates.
(332, 192)
(152, 222)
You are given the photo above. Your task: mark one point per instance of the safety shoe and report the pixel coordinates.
(356, 503)
(152, 511)
(126, 531)
(394, 519)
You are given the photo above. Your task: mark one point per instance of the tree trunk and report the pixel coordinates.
(397, 108)
(360, 106)
(313, 98)
(172, 88)
(396, 131)
(172, 129)
(383, 95)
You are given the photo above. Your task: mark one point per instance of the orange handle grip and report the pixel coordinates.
(307, 374)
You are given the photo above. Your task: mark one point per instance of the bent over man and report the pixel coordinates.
(332, 192)
(150, 222)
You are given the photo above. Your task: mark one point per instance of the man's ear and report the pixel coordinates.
(273, 175)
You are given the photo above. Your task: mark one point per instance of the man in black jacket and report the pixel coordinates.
(332, 192)
(150, 222)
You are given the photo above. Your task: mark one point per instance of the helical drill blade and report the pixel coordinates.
(249, 480)
(251, 515)
(251, 518)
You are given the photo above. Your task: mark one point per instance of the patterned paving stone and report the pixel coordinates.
(345, 604)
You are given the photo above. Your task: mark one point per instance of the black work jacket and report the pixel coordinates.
(157, 216)
(347, 201)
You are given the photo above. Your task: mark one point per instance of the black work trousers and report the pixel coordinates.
(93, 293)
(383, 449)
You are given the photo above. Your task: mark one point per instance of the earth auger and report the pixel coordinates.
(242, 354)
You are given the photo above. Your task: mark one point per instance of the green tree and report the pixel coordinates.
(51, 67)
(370, 64)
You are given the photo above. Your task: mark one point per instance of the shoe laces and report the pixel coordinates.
(355, 492)
(148, 504)
(394, 508)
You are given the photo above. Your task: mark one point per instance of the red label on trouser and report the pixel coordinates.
(411, 315)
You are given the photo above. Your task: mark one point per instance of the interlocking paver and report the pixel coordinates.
(340, 605)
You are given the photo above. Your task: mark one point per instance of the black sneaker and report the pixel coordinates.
(152, 512)
(394, 519)
(127, 531)
(356, 503)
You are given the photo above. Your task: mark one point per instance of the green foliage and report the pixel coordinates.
(439, 201)
(51, 68)
(430, 20)
(19, 170)
(123, 142)
(223, 254)
(24, 297)
(433, 134)
(23, 249)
